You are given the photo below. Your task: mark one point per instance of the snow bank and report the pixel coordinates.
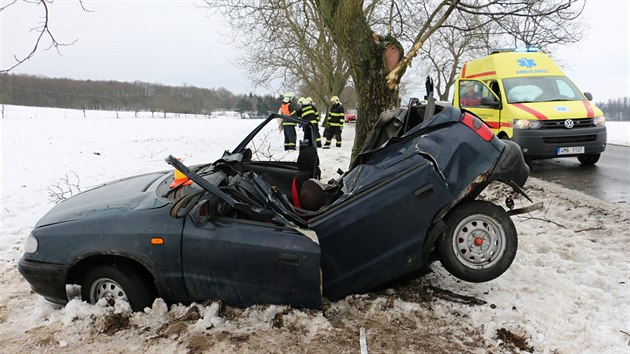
(568, 290)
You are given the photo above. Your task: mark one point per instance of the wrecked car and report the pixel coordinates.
(232, 229)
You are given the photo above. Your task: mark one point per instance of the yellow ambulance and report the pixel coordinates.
(523, 95)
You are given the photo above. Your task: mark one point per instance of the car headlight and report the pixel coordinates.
(527, 124)
(31, 244)
(599, 121)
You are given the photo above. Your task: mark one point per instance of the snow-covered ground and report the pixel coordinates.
(568, 290)
(618, 133)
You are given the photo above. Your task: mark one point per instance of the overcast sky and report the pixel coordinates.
(179, 42)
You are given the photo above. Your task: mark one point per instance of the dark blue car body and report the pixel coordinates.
(235, 236)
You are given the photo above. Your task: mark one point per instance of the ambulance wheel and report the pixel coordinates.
(479, 243)
(588, 159)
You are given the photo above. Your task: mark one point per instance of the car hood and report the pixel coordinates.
(554, 110)
(125, 195)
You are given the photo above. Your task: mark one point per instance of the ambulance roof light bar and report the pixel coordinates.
(527, 49)
(518, 50)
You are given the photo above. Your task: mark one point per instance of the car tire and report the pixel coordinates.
(588, 159)
(116, 283)
(479, 242)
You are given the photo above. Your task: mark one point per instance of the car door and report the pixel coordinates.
(246, 262)
(249, 255)
(377, 234)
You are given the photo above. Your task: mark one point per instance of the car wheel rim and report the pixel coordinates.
(105, 288)
(479, 241)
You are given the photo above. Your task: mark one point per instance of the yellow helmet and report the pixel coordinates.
(334, 99)
(301, 100)
(287, 97)
(308, 100)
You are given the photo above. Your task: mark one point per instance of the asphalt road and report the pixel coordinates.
(608, 180)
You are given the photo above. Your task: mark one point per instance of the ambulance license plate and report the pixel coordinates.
(570, 150)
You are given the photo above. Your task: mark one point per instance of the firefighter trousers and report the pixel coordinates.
(333, 131)
(290, 137)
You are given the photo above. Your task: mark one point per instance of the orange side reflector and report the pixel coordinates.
(157, 241)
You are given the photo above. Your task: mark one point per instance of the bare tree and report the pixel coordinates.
(375, 42)
(42, 29)
(376, 78)
(542, 31)
(285, 40)
(444, 54)
(446, 51)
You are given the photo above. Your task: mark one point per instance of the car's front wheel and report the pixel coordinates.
(479, 243)
(117, 284)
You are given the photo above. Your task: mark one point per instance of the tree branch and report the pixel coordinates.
(43, 30)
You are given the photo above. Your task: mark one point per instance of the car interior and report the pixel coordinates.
(297, 185)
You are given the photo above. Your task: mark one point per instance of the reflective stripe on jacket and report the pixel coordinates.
(336, 115)
(309, 113)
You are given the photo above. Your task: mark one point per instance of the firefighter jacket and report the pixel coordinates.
(336, 115)
(309, 112)
(288, 109)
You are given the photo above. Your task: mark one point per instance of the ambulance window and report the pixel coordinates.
(540, 89)
(470, 93)
(523, 89)
(524, 93)
(565, 90)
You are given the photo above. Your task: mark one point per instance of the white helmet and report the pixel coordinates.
(301, 100)
(334, 99)
(308, 100)
(287, 97)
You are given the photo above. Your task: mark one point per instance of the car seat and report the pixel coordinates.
(308, 167)
(313, 195)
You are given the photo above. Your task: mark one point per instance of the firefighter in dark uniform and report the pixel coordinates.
(334, 122)
(309, 112)
(288, 109)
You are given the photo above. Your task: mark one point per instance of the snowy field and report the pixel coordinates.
(568, 290)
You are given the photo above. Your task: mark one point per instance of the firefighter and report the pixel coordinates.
(288, 109)
(334, 122)
(309, 112)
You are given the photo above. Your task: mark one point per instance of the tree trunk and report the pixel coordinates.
(374, 98)
(364, 53)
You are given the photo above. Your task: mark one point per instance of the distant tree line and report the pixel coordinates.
(616, 108)
(29, 90)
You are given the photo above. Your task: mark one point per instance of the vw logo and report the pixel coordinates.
(569, 124)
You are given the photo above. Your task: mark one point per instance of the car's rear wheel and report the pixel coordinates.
(116, 284)
(588, 159)
(479, 243)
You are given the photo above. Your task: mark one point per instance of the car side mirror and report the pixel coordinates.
(588, 96)
(490, 102)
